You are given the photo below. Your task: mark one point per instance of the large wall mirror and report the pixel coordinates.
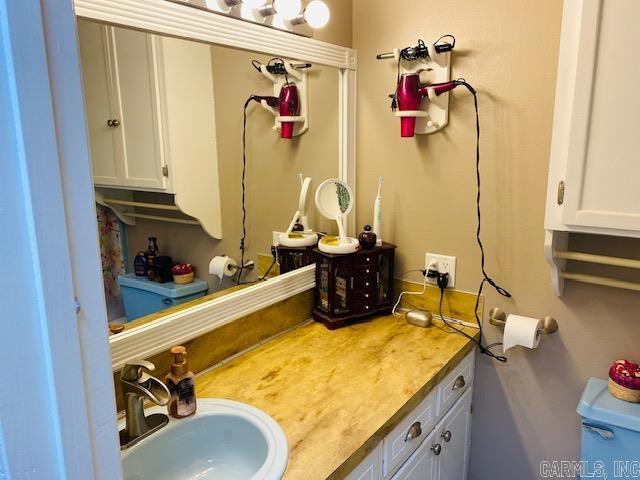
(170, 138)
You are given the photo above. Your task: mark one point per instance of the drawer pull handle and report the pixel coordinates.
(446, 436)
(603, 432)
(113, 123)
(459, 383)
(436, 449)
(167, 301)
(415, 431)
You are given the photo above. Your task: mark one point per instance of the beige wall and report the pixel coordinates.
(524, 411)
(272, 167)
(339, 28)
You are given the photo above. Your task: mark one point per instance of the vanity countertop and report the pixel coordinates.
(337, 393)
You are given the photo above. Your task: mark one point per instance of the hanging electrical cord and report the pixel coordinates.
(244, 176)
(484, 349)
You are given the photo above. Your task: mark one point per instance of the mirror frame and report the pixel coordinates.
(167, 18)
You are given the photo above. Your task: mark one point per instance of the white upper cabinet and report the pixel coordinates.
(594, 174)
(151, 118)
(123, 102)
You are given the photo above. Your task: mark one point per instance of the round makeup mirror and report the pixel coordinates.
(334, 200)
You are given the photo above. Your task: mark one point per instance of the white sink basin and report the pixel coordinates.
(224, 440)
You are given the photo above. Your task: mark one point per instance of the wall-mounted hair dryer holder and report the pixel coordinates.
(295, 75)
(432, 113)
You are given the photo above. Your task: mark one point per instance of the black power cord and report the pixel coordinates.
(244, 176)
(486, 350)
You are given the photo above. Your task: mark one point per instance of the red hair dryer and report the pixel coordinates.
(409, 94)
(288, 105)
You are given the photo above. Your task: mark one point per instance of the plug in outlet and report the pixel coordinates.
(444, 264)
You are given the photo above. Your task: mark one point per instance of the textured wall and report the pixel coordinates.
(524, 411)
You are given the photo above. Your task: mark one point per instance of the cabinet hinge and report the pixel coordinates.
(561, 192)
(165, 171)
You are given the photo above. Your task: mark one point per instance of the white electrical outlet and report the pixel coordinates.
(445, 264)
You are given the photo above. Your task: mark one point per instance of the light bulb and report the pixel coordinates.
(248, 13)
(216, 6)
(287, 9)
(317, 14)
(253, 4)
(279, 22)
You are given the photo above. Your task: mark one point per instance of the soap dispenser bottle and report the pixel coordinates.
(181, 385)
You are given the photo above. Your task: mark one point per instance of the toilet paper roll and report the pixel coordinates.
(222, 267)
(522, 331)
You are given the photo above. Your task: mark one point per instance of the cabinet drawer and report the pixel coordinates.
(403, 440)
(363, 282)
(364, 259)
(365, 271)
(370, 468)
(360, 308)
(364, 296)
(456, 383)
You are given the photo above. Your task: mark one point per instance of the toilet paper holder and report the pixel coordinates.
(498, 318)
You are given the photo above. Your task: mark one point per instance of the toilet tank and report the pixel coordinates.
(610, 434)
(143, 297)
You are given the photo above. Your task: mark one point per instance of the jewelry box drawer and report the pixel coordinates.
(364, 259)
(360, 308)
(363, 282)
(364, 296)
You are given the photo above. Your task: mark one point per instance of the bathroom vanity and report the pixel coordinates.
(380, 399)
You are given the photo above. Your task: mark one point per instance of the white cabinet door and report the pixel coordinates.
(423, 464)
(370, 468)
(453, 435)
(99, 98)
(134, 67)
(123, 105)
(595, 139)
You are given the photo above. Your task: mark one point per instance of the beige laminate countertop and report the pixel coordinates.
(336, 394)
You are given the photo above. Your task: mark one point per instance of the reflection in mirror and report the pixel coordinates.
(334, 200)
(166, 129)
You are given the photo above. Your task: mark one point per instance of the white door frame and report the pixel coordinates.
(57, 406)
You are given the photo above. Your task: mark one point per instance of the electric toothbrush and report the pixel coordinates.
(377, 214)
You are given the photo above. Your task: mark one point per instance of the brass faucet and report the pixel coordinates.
(138, 386)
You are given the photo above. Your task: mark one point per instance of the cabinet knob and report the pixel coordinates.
(459, 383)
(436, 449)
(113, 123)
(446, 436)
(415, 431)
